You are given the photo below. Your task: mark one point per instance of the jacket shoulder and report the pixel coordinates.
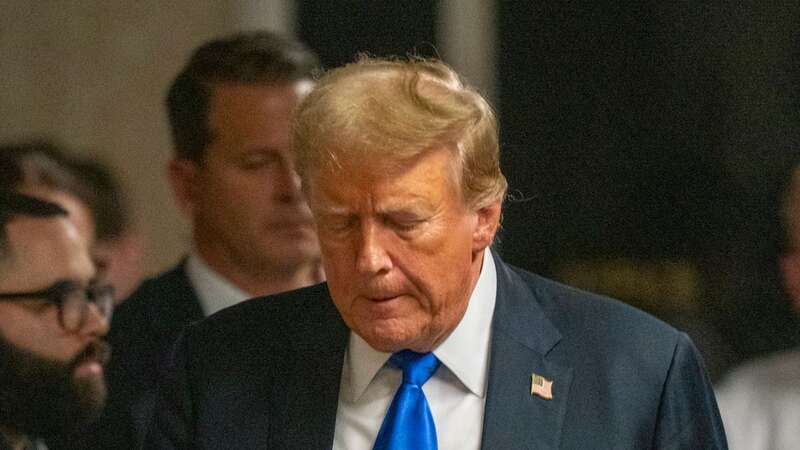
(166, 300)
(569, 308)
(291, 316)
(596, 331)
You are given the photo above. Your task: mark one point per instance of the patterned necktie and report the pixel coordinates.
(408, 423)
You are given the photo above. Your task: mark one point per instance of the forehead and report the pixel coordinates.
(245, 117)
(237, 100)
(43, 251)
(426, 180)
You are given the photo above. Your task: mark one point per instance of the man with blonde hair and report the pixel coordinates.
(422, 337)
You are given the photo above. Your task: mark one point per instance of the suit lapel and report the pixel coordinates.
(522, 336)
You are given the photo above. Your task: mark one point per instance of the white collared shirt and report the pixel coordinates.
(456, 393)
(213, 290)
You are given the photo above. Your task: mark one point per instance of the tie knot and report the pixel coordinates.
(417, 368)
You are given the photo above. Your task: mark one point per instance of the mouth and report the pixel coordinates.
(385, 307)
(89, 369)
(385, 303)
(383, 298)
(93, 358)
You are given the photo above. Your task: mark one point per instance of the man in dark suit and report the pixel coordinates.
(252, 232)
(422, 337)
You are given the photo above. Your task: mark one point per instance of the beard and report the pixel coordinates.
(42, 397)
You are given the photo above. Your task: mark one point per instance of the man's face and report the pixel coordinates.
(244, 199)
(401, 250)
(41, 360)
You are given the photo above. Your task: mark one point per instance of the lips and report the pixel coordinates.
(383, 298)
(97, 351)
(382, 290)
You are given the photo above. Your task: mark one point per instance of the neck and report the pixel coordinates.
(265, 280)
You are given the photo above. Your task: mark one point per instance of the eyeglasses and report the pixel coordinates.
(72, 300)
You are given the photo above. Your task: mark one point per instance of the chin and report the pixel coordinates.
(390, 339)
(91, 392)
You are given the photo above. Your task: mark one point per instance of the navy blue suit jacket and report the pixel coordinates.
(265, 374)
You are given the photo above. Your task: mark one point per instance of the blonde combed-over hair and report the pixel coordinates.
(386, 112)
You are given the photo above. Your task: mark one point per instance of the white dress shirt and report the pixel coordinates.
(760, 403)
(456, 393)
(214, 291)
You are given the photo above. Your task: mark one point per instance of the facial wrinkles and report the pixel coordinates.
(384, 221)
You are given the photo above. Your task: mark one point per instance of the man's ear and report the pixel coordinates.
(790, 270)
(486, 227)
(182, 175)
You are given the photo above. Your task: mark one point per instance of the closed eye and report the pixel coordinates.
(258, 160)
(403, 223)
(405, 226)
(335, 224)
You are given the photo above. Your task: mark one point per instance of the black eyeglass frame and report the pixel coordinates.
(102, 295)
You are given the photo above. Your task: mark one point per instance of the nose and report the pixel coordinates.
(95, 324)
(287, 183)
(373, 257)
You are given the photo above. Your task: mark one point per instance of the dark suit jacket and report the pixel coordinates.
(265, 375)
(143, 330)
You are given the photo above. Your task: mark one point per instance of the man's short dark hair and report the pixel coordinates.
(40, 162)
(107, 204)
(16, 166)
(14, 204)
(259, 57)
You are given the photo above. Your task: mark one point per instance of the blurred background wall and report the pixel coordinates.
(646, 144)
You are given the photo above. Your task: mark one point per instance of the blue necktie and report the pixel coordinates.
(408, 423)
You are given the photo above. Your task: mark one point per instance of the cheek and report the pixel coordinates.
(41, 335)
(437, 269)
(339, 278)
(229, 184)
(336, 255)
(443, 277)
(235, 206)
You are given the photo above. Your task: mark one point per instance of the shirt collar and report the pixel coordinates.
(465, 352)
(213, 290)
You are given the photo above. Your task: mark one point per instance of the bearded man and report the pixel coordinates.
(53, 315)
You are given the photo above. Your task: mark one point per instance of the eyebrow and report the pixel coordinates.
(403, 206)
(417, 204)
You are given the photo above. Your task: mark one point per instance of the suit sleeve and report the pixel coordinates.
(173, 415)
(688, 416)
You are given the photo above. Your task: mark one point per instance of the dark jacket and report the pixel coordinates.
(265, 374)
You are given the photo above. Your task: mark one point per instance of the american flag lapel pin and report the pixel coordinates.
(541, 387)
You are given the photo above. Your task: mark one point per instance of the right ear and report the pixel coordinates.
(182, 175)
(790, 269)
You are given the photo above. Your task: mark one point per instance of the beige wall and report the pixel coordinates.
(92, 74)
